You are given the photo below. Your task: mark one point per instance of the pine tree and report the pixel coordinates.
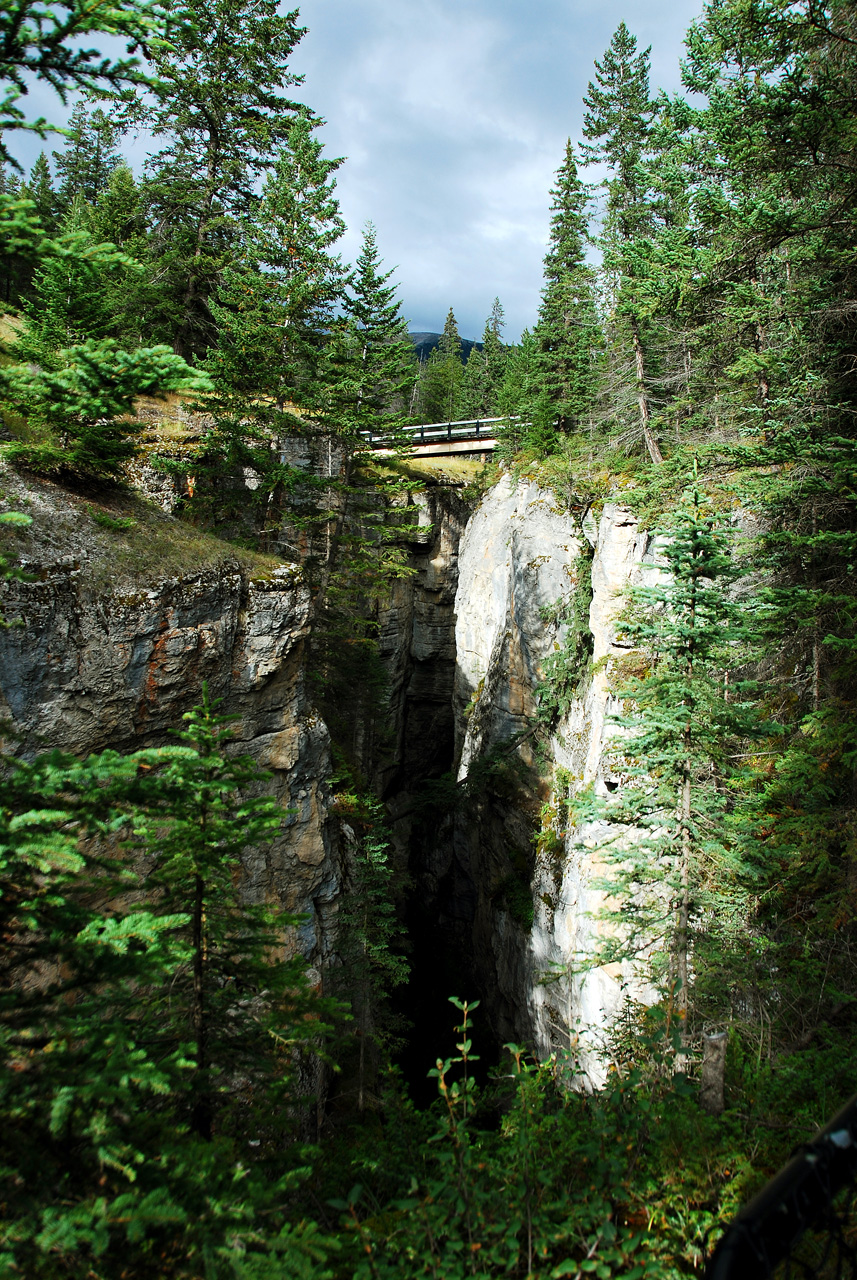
(81, 408)
(221, 108)
(529, 425)
(379, 355)
(370, 936)
(275, 311)
(89, 157)
(149, 1038)
(675, 874)
(442, 377)
(617, 123)
(775, 201)
(80, 1074)
(41, 191)
(568, 332)
(68, 301)
(241, 1012)
(483, 372)
(46, 45)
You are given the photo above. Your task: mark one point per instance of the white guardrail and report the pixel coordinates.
(435, 432)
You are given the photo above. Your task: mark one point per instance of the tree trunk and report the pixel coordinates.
(201, 1117)
(713, 1071)
(642, 398)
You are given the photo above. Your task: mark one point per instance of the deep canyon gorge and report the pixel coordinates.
(502, 903)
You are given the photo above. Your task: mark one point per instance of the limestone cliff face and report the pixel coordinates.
(576, 1009)
(118, 667)
(502, 892)
(528, 880)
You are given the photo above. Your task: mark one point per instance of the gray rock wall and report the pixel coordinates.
(520, 556)
(119, 668)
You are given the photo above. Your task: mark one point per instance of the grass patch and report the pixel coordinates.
(119, 538)
(461, 472)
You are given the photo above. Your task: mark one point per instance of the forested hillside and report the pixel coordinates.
(181, 1096)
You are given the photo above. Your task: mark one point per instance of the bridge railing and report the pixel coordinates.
(433, 432)
(798, 1225)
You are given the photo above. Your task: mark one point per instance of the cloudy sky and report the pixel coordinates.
(453, 116)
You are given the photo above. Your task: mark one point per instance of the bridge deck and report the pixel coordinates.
(439, 439)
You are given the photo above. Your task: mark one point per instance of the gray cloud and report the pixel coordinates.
(453, 118)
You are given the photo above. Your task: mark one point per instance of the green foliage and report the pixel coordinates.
(483, 372)
(83, 405)
(89, 156)
(219, 105)
(241, 1011)
(568, 664)
(116, 523)
(370, 939)
(378, 365)
(42, 42)
(147, 1041)
(567, 334)
(676, 876)
(442, 378)
(567, 1184)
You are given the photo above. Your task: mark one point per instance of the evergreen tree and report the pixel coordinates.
(675, 874)
(45, 45)
(381, 363)
(149, 1043)
(68, 303)
(529, 425)
(483, 372)
(88, 158)
(79, 1072)
(41, 191)
(617, 123)
(568, 331)
(275, 311)
(775, 199)
(370, 936)
(80, 410)
(241, 1012)
(442, 377)
(219, 104)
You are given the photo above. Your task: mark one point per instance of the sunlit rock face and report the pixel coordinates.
(521, 558)
(120, 667)
(517, 564)
(575, 1011)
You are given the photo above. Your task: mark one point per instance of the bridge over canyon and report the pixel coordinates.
(445, 439)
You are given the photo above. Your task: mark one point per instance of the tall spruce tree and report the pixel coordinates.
(778, 206)
(442, 377)
(274, 311)
(88, 158)
(483, 372)
(676, 877)
(377, 352)
(68, 302)
(149, 1042)
(617, 123)
(240, 1012)
(220, 106)
(41, 191)
(568, 332)
(47, 46)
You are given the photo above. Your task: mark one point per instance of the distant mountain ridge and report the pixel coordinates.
(425, 343)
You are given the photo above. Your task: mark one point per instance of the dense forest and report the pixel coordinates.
(695, 357)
